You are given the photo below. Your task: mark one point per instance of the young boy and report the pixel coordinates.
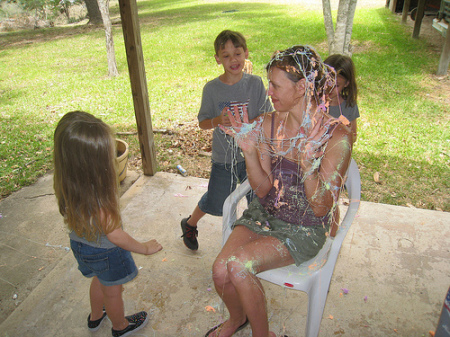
(232, 91)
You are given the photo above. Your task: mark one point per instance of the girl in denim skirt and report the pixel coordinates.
(86, 187)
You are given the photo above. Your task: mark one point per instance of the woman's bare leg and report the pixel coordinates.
(244, 255)
(225, 289)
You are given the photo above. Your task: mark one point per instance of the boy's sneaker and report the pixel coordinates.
(190, 234)
(95, 325)
(136, 322)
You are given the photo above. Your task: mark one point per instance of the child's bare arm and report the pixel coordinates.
(124, 240)
(222, 119)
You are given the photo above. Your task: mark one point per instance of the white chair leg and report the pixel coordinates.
(317, 298)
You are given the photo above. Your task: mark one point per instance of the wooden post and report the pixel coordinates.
(444, 61)
(405, 12)
(419, 17)
(392, 5)
(135, 58)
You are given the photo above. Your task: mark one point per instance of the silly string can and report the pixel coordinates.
(182, 170)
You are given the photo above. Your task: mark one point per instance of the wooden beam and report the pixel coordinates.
(405, 10)
(444, 61)
(419, 16)
(392, 5)
(136, 69)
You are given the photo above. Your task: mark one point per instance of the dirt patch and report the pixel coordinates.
(186, 145)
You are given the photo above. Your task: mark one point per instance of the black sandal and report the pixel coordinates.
(220, 325)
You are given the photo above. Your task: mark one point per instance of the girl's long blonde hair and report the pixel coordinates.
(85, 178)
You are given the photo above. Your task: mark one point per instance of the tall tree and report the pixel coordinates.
(110, 53)
(339, 38)
(95, 17)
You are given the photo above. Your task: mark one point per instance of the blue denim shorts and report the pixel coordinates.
(112, 266)
(222, 181)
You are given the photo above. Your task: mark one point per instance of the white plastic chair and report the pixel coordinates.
(312, 276)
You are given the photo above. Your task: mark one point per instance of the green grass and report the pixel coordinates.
(403, 131)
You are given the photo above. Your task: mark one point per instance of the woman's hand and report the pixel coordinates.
(312, 148)
(245, 133)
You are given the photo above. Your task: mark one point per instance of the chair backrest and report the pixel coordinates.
(353, 185)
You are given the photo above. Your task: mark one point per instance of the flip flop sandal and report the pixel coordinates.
(217, 327)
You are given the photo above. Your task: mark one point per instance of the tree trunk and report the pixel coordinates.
(328, 20)
(341, 27)
(405, 10)
(349, 29)
(444, 61)
(339, 38)
(110, 53)
(95, 17)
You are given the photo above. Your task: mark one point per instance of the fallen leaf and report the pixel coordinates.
(210, 308)
(330, 317)
(376, 177)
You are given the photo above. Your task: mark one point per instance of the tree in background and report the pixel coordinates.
(110, 53)
(94, 14)
(339, 38)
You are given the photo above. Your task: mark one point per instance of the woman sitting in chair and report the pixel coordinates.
(296, 159)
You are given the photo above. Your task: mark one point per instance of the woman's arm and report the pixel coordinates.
(322, 186)
(258, 164)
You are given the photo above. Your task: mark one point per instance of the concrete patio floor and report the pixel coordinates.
(394, 263)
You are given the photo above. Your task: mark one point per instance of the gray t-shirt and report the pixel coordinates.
(249, 92)
(351, 112)
(102, 241)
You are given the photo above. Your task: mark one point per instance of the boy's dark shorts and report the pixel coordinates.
(222, 182)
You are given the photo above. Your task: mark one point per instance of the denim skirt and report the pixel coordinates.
(112, 266)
